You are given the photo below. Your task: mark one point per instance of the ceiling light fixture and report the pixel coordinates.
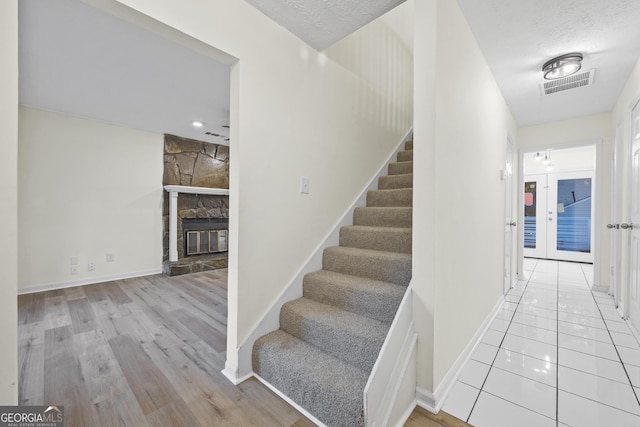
(562, 66)
(538, 157)
(197, 124)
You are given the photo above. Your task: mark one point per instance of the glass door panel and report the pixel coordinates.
(570, 224)
(535, 196)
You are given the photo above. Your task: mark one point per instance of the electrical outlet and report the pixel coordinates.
(74, 269)
(91, 266)
(111, 258)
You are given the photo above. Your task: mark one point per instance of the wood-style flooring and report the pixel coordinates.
(139, 352)
(146, 351)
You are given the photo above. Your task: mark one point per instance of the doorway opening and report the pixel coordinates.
(559, 204)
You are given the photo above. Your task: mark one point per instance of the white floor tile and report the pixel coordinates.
(474, 373)
(576, 411)
(634, 374)
(485, 353)
(492, 337)
(541, 285)
(511, 306)
(625, 340)
(581, 320)
(525, 366)
(629, 356)
(499, 325)
(522, 391)
(533, 333)
(585, 345)
(505, 315)
(594, 365)
(537, 321)
(492, 411)
(610, 313)
(615, 326)
(460, 400)
(601, 390)
(584, 332)
(538, 311)
(512, 298)
(530, 348)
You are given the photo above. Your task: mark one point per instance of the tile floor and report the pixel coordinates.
(557, 354)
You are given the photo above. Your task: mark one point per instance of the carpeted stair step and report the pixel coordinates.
(389, 239)
(400, 168)
(378, 265)
(383, 216)
(390, 198)
(325, 386)
(405, 156)
(367, 297)
(388, 182)
(352, 338)
(408, 145)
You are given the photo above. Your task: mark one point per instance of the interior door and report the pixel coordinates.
(613, 226)
(509, 219)
(535, 227)
(570, 216)
(634, 226)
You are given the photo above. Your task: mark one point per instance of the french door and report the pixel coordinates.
(558, 212)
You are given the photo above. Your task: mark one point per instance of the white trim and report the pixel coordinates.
(433, 402)
(87, 281)
(634, 331)
(290, 402)
(405, 416)
(231, 372)
(197, 190)
(271, 320)
(383, 385)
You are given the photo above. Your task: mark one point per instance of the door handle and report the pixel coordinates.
(625, 226)
(513, 224)
(610, 226)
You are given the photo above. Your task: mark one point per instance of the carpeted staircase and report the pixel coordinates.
(329, 339)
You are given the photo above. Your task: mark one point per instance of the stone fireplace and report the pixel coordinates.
(196, 181)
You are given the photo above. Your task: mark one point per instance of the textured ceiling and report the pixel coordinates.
(78, 60)
(321, 23)
(518, 36)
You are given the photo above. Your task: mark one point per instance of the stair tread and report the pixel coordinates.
(327, 387)
(371, 253)
(380, 229)
(368, 297)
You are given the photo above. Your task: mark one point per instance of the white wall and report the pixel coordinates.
(566, 133)
(9, 205)
(87, 189)
(294, 112)
(461, 194)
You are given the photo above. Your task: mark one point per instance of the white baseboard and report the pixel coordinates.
(271, 320)
(433, 402)
(290, 402)
(87, 281)
(231, 372)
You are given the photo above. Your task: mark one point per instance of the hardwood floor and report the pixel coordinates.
(147, 351)
(139, 352)
(423, 418)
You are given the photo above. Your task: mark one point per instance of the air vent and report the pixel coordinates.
(567, 83)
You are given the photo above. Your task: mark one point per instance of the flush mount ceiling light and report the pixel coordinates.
(562, 66)
(197, 124)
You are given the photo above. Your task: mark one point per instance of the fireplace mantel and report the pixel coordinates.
(173, 191)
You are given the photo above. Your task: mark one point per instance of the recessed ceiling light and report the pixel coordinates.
(197, 124)
(562, 66)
